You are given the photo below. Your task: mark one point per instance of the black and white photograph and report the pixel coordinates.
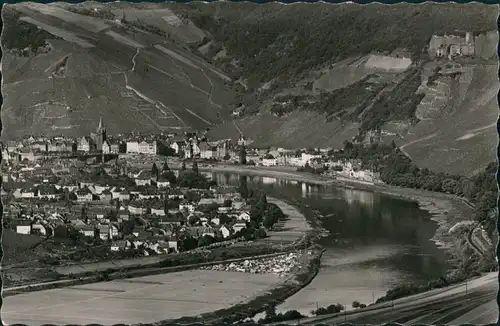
(243, 162)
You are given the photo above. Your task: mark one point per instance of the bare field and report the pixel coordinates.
(137, 300)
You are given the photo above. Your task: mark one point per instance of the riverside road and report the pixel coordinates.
(454, 305)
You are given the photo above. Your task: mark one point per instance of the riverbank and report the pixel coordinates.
(303, 275)
(447, 210)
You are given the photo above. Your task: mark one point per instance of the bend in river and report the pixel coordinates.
(375, 241)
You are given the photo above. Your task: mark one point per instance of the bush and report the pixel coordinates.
(331, 309)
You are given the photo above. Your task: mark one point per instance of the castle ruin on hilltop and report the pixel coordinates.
(451, 46)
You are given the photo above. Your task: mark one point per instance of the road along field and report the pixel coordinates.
(137, 300)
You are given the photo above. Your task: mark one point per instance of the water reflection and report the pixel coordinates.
(375, 241)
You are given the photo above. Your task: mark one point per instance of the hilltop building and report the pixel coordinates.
(451, 46)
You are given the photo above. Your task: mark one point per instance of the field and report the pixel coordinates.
(137, 300)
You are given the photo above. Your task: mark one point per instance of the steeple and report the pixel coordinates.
(100, 125)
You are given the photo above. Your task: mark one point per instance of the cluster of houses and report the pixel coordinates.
(187, 146)
(48, 201)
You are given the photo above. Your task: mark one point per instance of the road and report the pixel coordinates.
(452, 305)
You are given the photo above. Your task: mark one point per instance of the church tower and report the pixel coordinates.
(100, 135)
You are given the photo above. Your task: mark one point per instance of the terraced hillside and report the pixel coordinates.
(92, 67)
(457, 128)
(346, 71)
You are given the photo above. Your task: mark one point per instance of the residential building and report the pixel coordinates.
(83, 195)
(24, 227)
(178, 146)
(145, 147)
(85, 144)
(132, 146)
(86, 230)
(104, 232)
(269, 160)
(207, 151)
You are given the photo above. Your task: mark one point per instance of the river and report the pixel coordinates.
(375, 242)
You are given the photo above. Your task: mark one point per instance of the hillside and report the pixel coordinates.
(83, 67)
(302, 75)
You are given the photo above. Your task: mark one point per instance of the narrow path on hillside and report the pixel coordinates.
(418, 140)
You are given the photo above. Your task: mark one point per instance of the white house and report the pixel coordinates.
(124, 195)
(23, 227)
(172, 244)
(136, 209)
(225, 231)
(87, 230)
(40, 228)
(84, 144)
(145, 147)
(106, 147)
(158, 211)
(104, 232)
(84, 195)
(269, 160)
(189, 207)
(29, 193)
(306, 158)
(132, 146)
(162, 183)
(178, 146)
(244, 216)
(239, 225)
(120, 245)
(113, 231)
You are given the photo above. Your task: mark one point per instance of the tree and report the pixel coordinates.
(270, 312)
(188, 243)
(243, 155)
(205, 240)
(166, 204)
(183, 166)
(170, 177)
(226, 157)
(195, 167)
(193, 220)
(154, 170)
(60, 232)
(243, 188)
(165, 167)
(190, 179)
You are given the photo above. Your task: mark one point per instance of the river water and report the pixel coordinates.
(375, 242)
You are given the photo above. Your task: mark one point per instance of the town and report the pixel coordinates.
(134, 194)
